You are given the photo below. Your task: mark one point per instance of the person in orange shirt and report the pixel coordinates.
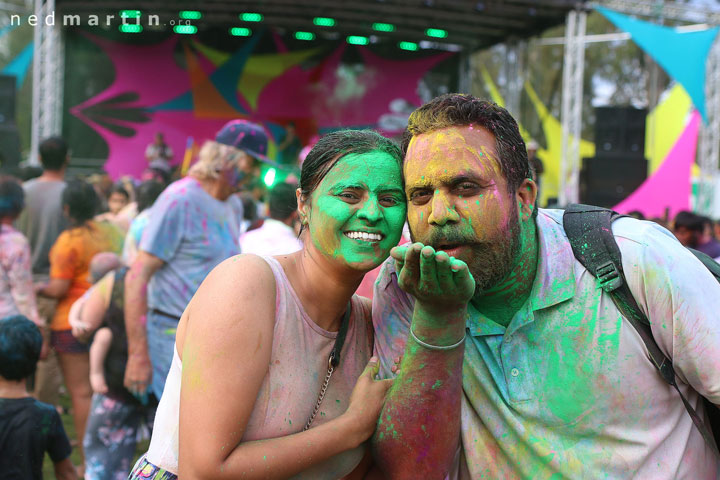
(70, 258)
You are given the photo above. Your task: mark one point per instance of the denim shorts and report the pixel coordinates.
(64, 342)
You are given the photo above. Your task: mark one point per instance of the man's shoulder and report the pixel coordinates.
(43, 190)
(624, 229)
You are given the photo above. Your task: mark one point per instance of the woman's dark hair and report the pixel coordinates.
(147, 193)
(121, 190)
(20, 345)
(328, 151)
(82, 201)
(12, 198)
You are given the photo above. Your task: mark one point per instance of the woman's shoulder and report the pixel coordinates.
(245, 274)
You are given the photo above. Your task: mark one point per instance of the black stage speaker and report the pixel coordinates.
(7, 99)
(606, 181)
(619, 165)
(9, 145)
(9, 138)
(620, 130)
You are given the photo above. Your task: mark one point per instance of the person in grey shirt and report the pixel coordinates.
(42, 221)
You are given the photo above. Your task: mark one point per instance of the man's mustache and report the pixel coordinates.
(449, 237)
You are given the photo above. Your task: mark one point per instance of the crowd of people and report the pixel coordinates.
(488, 350)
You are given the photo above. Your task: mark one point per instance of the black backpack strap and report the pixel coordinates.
(589, 230)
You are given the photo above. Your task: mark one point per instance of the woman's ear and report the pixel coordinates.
(303, 206)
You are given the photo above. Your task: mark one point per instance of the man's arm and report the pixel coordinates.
(680, 297)
(65, 470)
(138, 370)
(419, 429)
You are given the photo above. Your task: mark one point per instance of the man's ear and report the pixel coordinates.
(526, 196)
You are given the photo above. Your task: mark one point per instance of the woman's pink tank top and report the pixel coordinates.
(286, 399)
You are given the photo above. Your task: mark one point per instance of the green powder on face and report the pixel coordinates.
(436, 385)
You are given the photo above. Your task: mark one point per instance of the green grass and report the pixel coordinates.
(48, 471)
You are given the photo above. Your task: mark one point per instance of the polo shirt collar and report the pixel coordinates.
(554, 279)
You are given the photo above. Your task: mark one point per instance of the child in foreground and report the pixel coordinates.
(28, 428)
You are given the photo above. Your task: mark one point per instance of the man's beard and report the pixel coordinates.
(490, 261)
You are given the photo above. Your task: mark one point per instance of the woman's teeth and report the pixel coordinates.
(368, 237)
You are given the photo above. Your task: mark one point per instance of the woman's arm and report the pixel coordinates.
(55, 288)
(226, 351)
(87, 313)
(21, 285)
(98, 352)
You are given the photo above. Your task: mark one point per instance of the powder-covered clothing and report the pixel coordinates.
(567, 389)
(272, 238)
(70, 259)
(111, 436)
(17, 294)
(298, 364)
(42, 220)
(191, 231)
(28, 429)
(144, 470)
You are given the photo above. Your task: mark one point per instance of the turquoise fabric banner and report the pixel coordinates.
(20, 65)
(681, 54)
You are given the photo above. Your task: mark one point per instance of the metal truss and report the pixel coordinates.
(48, 78)
(661, 9)
(571, 109)
(514, 66)
(709, 148)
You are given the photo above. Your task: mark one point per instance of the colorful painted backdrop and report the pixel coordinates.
(185, 88)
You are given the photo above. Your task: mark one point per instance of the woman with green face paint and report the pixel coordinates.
(273, 375)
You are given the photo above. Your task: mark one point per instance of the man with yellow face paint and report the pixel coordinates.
(525, 368)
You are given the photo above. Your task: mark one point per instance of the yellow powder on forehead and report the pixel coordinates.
(443, 145)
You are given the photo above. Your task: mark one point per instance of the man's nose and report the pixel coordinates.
(442, 210)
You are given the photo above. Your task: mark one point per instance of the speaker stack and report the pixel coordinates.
(619, 165)
(9, 138)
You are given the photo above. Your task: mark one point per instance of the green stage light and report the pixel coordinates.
(411, 46)
(131, 28)
(305, 36)
(251, 17)
(436, 32)
(130, 13)
(324, 21)
(190, 15)
(185, 29)
(383, 27)
(240, 32)
(357, 40)
(269, 177)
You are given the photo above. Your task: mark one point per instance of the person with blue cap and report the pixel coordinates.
(194, 226)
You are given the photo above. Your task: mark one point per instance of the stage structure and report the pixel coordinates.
(405, 25)
(440, 25)
(709, 155)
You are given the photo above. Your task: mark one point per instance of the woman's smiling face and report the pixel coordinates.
(357, 212)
